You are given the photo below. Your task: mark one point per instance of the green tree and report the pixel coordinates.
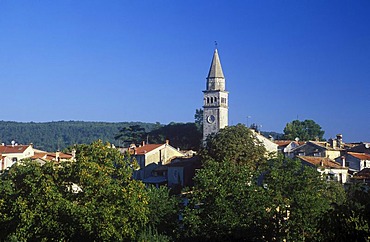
(225, 205)
(38, 201)
(282, 201)
(133, 134)
(163, 211)
(181, 135)
(348, 221)
(240, 196)
(297, 197)
(198, 117)
(304, 130)
(234, 144)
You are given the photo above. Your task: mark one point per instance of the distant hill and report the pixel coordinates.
(51, 136)
(274, 135)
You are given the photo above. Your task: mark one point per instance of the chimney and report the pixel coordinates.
(167, 142)
(333, 143)
(143, 143)
(343, 161)
(57, 156)
(339, 140)
(73, 153)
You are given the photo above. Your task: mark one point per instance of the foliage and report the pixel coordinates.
(274, 135)
(282, 202)
(38, 202)
(133, 134)
(304, 130)
(348, 221)
(150, 234)
(235, 144)
(185, 136)
(225, 204)
(198, 117)
(52, 136)
(297, 196)
(163, 210)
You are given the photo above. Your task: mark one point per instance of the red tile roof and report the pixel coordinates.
(51, 156)
(146, 148)
(282, 142)
(6, 149)
(39, 155)
(361, 156)
(321, 162)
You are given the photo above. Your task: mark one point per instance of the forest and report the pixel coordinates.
(52, 136)
(59, 135)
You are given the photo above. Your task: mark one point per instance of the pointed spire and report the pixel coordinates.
(216, 70)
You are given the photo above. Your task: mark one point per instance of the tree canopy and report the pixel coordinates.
(282, 201)
(52, 136)
(303, 130)
(235, 144)
(198, 118)
(185, 136)
(93, 198)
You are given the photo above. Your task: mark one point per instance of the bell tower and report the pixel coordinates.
(215, 102)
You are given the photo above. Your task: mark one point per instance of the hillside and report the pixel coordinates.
(51, 136)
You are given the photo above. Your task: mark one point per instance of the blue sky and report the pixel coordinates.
(147, 61)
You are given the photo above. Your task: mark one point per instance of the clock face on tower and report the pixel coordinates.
(211, 119)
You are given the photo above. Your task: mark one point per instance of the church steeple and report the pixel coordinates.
(215, 79)
(215, 105)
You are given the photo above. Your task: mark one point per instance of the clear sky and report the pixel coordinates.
(148, 61)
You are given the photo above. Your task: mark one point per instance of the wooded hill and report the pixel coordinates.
(58, 135)
(52, 136)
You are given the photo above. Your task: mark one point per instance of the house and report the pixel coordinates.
(270, 146)
(360, 148)
(333, 170)
(150, 156)
(286, 147)
(318, 149)
(181, 171)
(10, 154)
(355, 161)
(5, 163)
(177, 174)
(42, 156)
(362, 176)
